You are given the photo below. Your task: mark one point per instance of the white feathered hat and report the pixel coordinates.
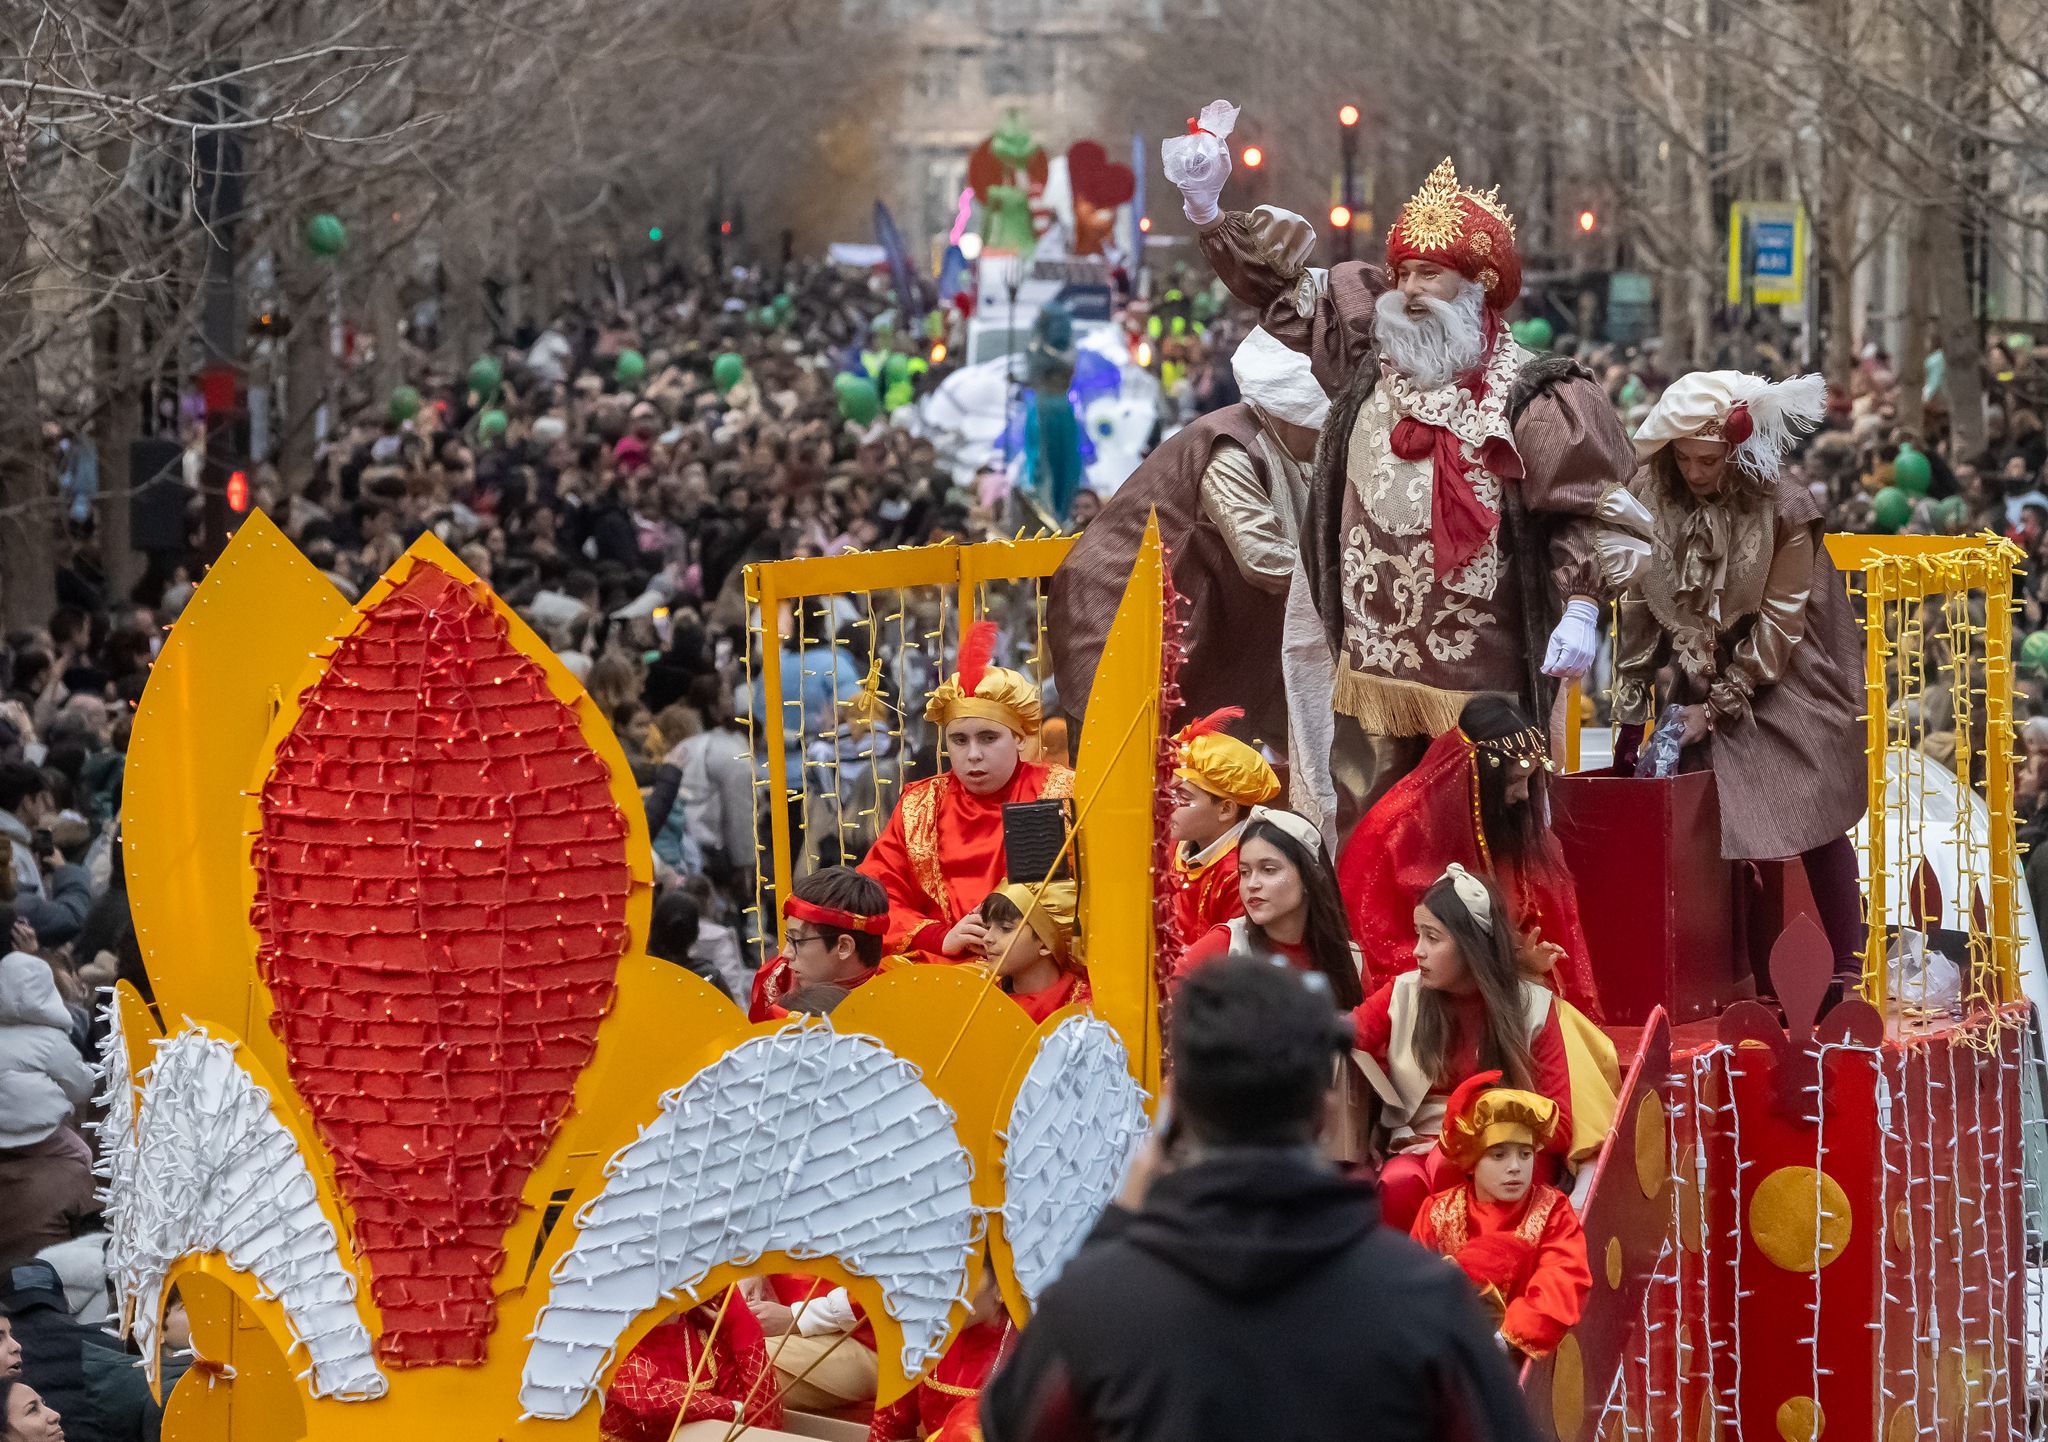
(1760, 419)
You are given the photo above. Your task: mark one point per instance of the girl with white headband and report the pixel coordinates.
(1466, 1008)
(1292, 908)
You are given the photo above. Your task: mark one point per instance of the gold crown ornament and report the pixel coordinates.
(1467, 230)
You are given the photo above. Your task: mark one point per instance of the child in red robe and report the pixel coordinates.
(1517, 1239)
(942, 851)
(1030, 944)
(699, 1367)
(946, 1405)
(831, 937)
(1220, 780)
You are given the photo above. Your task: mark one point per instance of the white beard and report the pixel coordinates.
(1435, 349)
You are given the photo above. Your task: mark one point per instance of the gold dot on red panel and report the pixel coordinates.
(1800, 1218)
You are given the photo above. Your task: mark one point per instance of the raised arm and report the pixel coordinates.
(1262, 257)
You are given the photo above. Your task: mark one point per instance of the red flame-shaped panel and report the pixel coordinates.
(441, 901)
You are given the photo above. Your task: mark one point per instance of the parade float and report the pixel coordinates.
(425, 1141)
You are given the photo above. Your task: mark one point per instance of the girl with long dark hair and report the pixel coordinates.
(1466, 1008)
(1292, 908)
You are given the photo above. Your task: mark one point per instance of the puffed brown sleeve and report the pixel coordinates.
(1639, 650)
(1576, 463)
(1262, 256)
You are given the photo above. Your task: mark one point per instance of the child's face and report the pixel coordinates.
(1199, 816)
(1011, 946)
(1505, 1172)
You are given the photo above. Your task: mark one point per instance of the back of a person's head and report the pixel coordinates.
(674, 927)
(18, 782)
(1251, 1043)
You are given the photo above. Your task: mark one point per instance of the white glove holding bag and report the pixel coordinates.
(1199, 162)
(1574, 643)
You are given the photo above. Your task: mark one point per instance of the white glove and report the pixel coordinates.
(1575, 641)
(827, 1315)
(1199, 162)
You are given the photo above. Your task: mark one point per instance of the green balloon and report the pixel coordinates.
(490, 426)
(405, 403)
(859, 401)
(485, 376)
(2034, 652)
(1954, 511)
(844, 381)
(896, 369)
(1911, 473)
(326, 235)
(784, 305)
(899, 395)
(1534, 333)
(727, 371)
(631, 368)
(1892, 509)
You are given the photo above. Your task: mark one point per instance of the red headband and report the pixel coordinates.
(803, 910)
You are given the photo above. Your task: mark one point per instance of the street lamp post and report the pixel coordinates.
(1347, 134)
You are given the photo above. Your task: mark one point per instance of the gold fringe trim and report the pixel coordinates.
(1386, 707)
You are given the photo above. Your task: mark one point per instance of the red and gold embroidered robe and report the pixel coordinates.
(1528, 1258)
(942, 852)
(946, 1405)
(667, 1381)
(1205, 894)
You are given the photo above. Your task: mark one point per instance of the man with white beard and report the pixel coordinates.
(1465, 492)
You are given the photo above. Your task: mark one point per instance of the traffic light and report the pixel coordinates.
(1587, 222)
(654, 234)
(1254, 157)
(238, 491)
(1145, 224)
(1347, 116)
(1340, 217)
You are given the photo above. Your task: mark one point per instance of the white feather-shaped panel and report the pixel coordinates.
(805, 1141)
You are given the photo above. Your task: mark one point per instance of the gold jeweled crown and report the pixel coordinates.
(1434, 217)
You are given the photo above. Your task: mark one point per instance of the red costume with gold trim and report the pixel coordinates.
(1429, 819)
(1526, 1257)
(942, 852)
(1205, 886)
(946, 1405)
(1205, 893)
(672, 1378)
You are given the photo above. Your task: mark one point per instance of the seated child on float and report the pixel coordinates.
(1030, 946)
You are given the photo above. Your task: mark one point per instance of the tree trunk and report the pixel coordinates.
(308, 364)
(1962, 342)
(28, 507)
(1918, 322)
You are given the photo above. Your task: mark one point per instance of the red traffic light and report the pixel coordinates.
(1145, 224)
(1587, 221)
(238, 492)
(1253, 157)
(1348, 116)
(1340, 217)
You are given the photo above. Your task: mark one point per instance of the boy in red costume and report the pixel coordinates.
(1031, 944)
(1221, 780)
(1517, 1239)
(831, 936)
(942, 851)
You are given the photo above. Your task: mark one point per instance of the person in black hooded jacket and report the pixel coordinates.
(1242, 1286)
